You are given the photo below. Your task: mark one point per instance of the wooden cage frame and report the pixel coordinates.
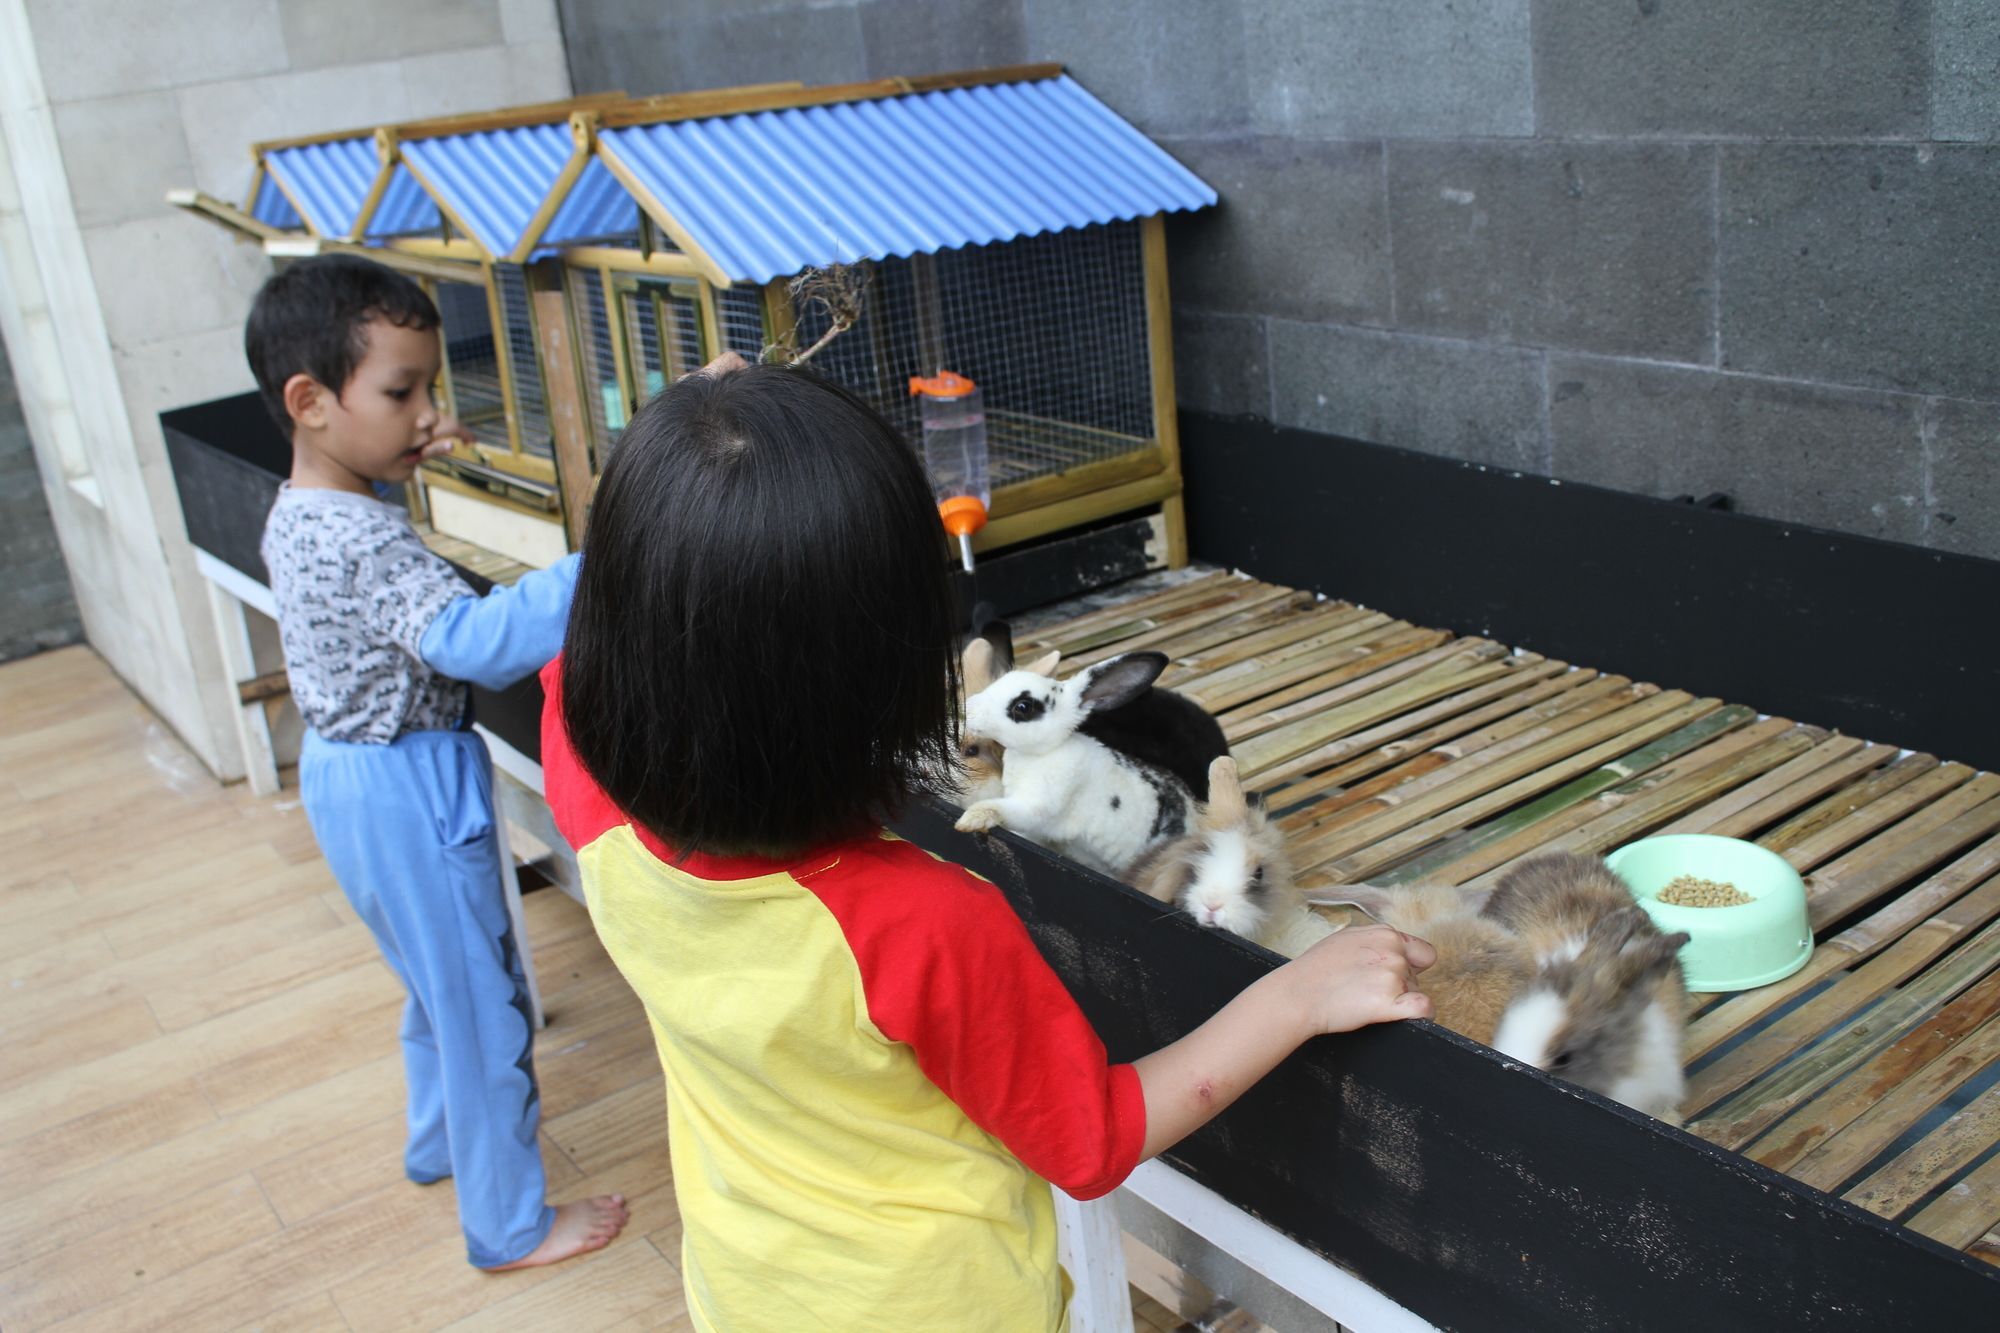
(557, 488)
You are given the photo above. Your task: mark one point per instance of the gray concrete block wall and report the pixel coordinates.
(1666, 247)
(37, 604)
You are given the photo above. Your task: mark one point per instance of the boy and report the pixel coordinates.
(379, 637)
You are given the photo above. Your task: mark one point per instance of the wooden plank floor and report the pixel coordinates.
(201, 1101)
(201, 1097)
(1390, 753)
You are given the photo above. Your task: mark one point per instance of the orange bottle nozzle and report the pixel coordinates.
(963, 515)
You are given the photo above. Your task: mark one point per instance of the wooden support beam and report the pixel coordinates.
(1160, 356)
(562, 379)
(270, 685)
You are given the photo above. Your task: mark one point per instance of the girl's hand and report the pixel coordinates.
(443, 433)
(1358, 976)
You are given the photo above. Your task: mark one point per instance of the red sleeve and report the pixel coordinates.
(583, 813)
(948, 968)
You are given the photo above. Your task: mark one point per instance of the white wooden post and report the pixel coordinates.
(253, 729)
(1093, 1253)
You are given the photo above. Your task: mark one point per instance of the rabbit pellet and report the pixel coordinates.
(1689, 891)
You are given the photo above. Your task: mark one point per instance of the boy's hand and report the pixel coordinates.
(443, 433)
(1358, 976)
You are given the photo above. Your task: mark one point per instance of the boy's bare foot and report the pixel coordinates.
(579, 1228)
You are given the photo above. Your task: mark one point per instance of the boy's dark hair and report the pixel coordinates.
(759, 658)
(313, 317)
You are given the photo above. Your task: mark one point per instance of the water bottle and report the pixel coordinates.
(954, 422)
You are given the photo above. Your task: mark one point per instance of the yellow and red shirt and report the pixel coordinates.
(872, 1076)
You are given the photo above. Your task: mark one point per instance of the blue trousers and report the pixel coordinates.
(408, 830)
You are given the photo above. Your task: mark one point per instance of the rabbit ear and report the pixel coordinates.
(1225, 808)
(1122, 679)
(980, 667)
(1045, 665)
(1367, 897)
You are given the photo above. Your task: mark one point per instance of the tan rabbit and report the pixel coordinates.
(1606, 1008)
(1231, 872)
(1481, 966)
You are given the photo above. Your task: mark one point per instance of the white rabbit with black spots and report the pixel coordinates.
(1063, 789)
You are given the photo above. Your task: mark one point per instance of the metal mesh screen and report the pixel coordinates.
(604, 395)
(662, 334)
(1052, 328)
(473, 360)
(739, 310)
(524, 360)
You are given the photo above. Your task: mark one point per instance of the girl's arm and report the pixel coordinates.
(1358, 976)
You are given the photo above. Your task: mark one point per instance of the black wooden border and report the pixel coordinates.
(1477, 1193)
(1881, 640)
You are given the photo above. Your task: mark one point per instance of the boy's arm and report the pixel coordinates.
(509, 633)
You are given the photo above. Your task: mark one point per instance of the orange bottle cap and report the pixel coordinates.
(963, 515)
(944, 384)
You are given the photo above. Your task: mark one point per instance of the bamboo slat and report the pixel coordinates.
(1860, 941)
(1815, 1145)
(1900, 1185)
(1218, 623)
(1987, 1248)
(1845, 996)
(1736, 757)
(1222, 600)
(1538, 779)
(1379, 747)
(1493, 766)
(1423, 675)
(1053, 634)
(1312, 742)
(1816, 822)
(1345, 627)
(1831, 894)
(1257, 676)
(1785, 789)
(1966, 1211)
(1758, 1107)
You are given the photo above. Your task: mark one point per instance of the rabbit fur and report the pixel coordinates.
(1481, 967)
(1060, 787)
(1231, 872)
(1606, 1007)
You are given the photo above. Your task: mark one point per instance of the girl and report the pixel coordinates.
(872, 1076)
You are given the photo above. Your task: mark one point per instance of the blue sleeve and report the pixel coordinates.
(509, 633)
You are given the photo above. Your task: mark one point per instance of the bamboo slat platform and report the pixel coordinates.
(1390, 753)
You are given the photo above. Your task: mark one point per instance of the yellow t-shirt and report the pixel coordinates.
(871, 1077)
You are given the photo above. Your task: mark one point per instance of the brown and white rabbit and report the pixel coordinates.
(1606, 1008)
(1481, 968)
(1063, 789)
(1232, 873)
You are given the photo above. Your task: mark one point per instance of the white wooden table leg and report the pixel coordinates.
(253, 729)
(1093, 1252)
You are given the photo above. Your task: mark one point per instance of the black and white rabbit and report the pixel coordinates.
(1062, 788)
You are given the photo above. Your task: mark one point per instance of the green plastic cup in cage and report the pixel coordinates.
(1732, 947)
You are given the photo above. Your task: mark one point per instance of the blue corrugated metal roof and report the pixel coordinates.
(330, 181)
(770, 193)
(597, 206)
(271, 206)
(494, 180)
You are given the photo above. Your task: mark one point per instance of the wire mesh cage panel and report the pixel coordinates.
(739, 310)
(523, 360)
(662, 323)
(472, 358)
(1052, 328)
(604, 395)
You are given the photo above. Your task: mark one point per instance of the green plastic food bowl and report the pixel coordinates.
(1728, 948)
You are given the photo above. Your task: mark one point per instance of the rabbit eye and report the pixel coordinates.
(1025, 708)
(1257, 878)
(1561, 1061)
(970, 752)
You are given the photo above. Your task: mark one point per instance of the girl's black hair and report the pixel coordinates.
(759, 658)
(313, 317)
